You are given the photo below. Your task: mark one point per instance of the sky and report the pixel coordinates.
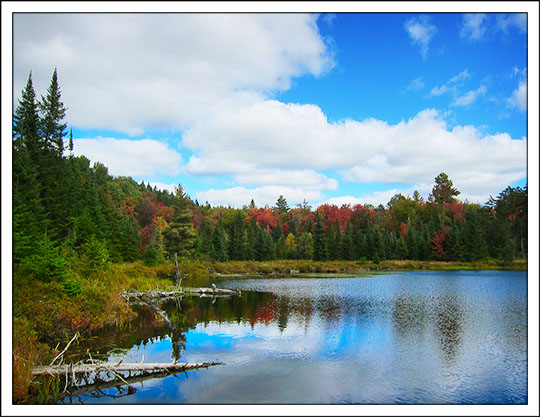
(338, 108)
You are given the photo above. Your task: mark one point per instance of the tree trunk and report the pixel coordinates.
(177, 277)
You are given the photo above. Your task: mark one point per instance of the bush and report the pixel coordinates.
(46, 263)
(94, 258)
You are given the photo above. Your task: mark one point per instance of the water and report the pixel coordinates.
(456, 337)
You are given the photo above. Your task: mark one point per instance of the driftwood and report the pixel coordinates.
(136, 372)
(136, 296)
(87, 368)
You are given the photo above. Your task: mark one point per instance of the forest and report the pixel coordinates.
(80, 236)
(70, 218)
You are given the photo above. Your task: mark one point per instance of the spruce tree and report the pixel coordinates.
(320, 242)
(52, 127)
(219, 244)
(236, 238)
(281, 205)
(26, 123)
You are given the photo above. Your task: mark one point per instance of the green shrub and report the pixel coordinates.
(46, 263)
(94, 258)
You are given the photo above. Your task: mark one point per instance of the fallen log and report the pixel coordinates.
(136, 296)
(206, 291)
(123, 367)
(137, 373)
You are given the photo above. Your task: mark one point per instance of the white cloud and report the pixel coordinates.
(265, 195)
(289, 144)
(162, 186)
(515, 20)
(452, 84)
(199, 63)
(469, 97)
(136, 158)
(518, 99)
(308, 179)
(474, 26)
(421, 32)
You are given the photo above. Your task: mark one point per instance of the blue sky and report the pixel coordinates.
(338, 108)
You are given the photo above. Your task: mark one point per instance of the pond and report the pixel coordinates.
(457, 337)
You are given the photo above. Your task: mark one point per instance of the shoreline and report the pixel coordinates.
(199, 272)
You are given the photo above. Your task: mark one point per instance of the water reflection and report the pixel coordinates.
(411, 338)
(449, 318)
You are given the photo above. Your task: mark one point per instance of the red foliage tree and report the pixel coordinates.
(455, 211)
(437, 243)
(403, 229)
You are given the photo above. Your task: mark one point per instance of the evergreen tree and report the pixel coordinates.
(338, 243)
(264, 245)
(53, 129)
(453, 244)
(331, 239)
(26, 123)
(251, 239)
(277, 232)
(205, 238)
(412, 243)
(500, 240)
(219, 244)
(180, 235)
(292, 225)
(348, 246)
(443, 192)
(474, 236)
(236, 238)
(320, 243)
(281, 205)
(401, 248)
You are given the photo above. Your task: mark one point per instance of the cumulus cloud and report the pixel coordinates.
(474, 26)
(213, 76)
(518, 99)
(421, 31)
(199, 63)
(136, 158)
(289, 144)
(265, 195)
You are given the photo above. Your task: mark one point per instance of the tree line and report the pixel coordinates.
(71, 219)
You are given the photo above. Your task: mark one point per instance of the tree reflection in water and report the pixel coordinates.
(449, 321)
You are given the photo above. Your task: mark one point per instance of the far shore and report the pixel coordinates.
(218, 270)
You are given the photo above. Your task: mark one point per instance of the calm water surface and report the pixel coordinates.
(456, 337)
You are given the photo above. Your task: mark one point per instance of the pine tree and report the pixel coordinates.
(180, 235)
(53, 129)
